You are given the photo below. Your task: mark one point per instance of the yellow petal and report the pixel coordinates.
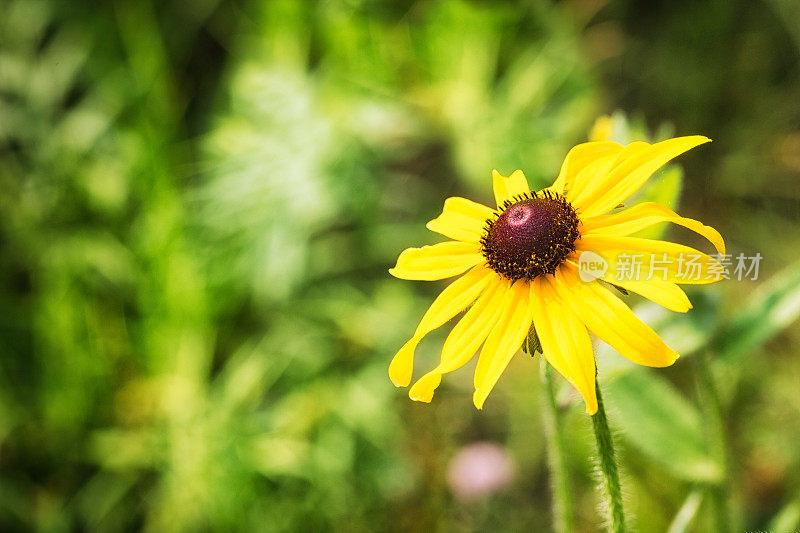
(465, 338)
(635, 164)
(461, 219)
(643, 216)
(439, 261)
(423, 389)
(448, 304)
(507, 189)
(565, 342)
(590, 175)
(454, 299)
(591, 185)
(636, 259)
(578, 159)
(503, 342)
(661, 292)
(402, 366)
(611, 320)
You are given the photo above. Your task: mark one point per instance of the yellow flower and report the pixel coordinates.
(602, 129)
(523, 267)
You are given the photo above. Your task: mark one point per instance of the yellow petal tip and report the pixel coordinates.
(402, 365)
(589, 395)
(423, 389)
(700, 139)
(478, 399)
(398, 382)
(423, 399)
(669, 360)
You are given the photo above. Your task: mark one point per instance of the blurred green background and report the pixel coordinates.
(199, 202)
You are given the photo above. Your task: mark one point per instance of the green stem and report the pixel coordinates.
(556, 446)
(610, 487)
(715, 434)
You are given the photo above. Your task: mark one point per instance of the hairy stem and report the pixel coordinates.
(610, 487)
(556, 446)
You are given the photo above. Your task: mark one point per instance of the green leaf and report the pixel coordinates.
(532, 345)
(787, 519)
(662, 425)
(663, 188)
(773, 307)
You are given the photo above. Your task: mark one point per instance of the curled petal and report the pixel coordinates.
(643, 216)
(465, 338)
(451, 301)
(633, 166)
(636, 259)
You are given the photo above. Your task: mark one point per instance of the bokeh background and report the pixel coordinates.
(199, 202)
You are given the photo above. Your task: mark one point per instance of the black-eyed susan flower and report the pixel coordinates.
(521, 266)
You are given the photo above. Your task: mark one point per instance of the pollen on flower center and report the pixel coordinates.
(531, 236)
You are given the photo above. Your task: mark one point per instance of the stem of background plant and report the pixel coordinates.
(715, 433)
(556, 445)
(610, 487)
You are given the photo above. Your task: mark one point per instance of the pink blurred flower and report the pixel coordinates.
(479, 469)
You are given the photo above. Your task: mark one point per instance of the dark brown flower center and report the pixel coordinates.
(531, 236)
